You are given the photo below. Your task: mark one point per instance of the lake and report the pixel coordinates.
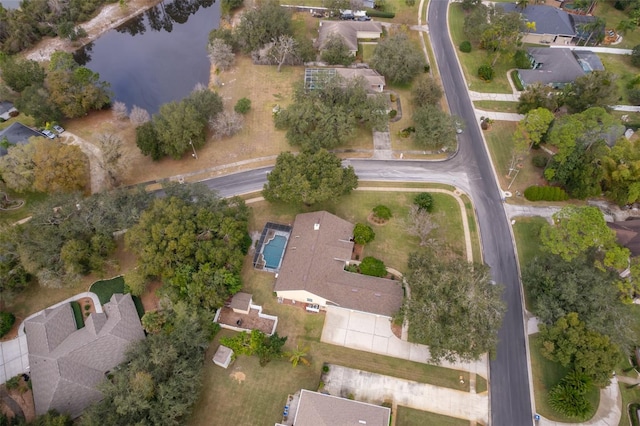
(158, 56)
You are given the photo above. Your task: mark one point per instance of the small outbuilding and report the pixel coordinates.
(241, 303)
(223, 356)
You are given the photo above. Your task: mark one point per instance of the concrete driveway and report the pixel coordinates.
(14, 358)
(372, 333)
(377, 388)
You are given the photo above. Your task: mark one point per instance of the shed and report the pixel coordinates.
(223, 356)
(241, 303)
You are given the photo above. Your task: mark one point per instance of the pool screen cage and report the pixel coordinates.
(267, 233)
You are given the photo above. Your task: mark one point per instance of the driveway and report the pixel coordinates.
(372, 333)
(14, 358)
(377, 388)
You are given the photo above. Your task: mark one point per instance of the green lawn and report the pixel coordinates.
(409, 417)
(366, 50)
(104, 289)
(620, 65)
(477, 57)
(612, 16)
(526, 231)
(77, 314)
(546, 375)
(32, 199)
(629, 396)
(481, 384)
(497, 106)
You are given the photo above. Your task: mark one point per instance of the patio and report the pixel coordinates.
(254, 320)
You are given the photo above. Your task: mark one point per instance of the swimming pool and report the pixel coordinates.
(273, 251)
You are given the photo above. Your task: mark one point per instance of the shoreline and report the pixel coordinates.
(109, 17)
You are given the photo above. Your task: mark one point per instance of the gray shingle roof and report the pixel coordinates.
(588, 60)
(348, 30)
(240, 301)
(548, 19)
(558, 66)
(66, 364)
(314, 261)
(317, 409)
(17, 133)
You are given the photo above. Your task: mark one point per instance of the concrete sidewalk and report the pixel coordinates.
(378, 388)
(500, 116)
(504, 97)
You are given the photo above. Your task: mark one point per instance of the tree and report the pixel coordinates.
(220, 54)
(421, 223)
(336, 52)
(635, 55)
(373, 267)
(59, 167)
(227, 123)
(242, 106)
(569, 342)
(597, 88)
(206, 102)
(13, 277)
(533, 128)
(434, 128)
(624, 26)
(298, 356)
(470, 4)
(363, 234)
(454, 308)
(476, 21)
(178, 126)
(148, 142)
(308, 178)
(595, 27)
(537, 96)
(74, 89)
(36, 102)
(17, 167)
(425, 91)
(119, 110)
(328, 115)
(568, 396)
(621, 172)
(283, 49)
(503, 34)
(18, 73)
(112, 160)
(576, 230)
(424, 201)
(397, 59)
(261, 25)
(139, 116)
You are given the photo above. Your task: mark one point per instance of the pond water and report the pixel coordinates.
(158, 56)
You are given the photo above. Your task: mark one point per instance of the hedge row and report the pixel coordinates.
(545, 193)
(380, 14)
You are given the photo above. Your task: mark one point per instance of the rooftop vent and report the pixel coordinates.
(316, 226)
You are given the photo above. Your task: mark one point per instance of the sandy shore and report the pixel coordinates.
(109, 17)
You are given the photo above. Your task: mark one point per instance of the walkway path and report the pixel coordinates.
(501, 116)
(14, 354)
(610, 50)
(503, 97)
(377, 388)
(514, 210)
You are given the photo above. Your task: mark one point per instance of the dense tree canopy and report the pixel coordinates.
(454, 307)
(20, 73)
(328, 116)
(336, 52)
(622, 172)
(425, 91)
(36, 102)
(537, 95)
(59, 167)
(195, 242)
(435, 129)
(17, 168)
(263, 24)
(397, 59)
(594, 89)
(308, 178)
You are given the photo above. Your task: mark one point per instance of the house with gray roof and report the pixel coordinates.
(558, 67)
(312, 270)
(349, 31)
(66, 363)
(7, 109)
(314, 78)
(17, 134)
(552, 24)
(318, 409)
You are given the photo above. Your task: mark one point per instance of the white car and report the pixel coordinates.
(49, 134)
(58, 129)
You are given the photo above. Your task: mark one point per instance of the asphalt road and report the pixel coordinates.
(470, 170)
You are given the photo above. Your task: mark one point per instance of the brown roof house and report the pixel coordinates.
(67, 363)
(317, 409)
(312, 270)
(349, 31)
(627, 234)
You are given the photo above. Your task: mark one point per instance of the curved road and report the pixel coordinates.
(471, 171)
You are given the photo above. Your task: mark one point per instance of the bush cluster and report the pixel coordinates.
(380, 14)
(382, 212)
(545, 193)
(6, 322)
(540, 161)
(393, 113)
(486, 72)
(373, 267)
(465, 46)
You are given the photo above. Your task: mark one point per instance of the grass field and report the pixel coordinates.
(104, 289)
(472, 61)
(410, 417)
(546, 375)
(620, 65)
(613, 16)
(629, 395)
(31, 200)
(497, 106)
(526, 231)
(481, 384)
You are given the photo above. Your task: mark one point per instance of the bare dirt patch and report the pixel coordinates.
(374, 220)
(150, 299)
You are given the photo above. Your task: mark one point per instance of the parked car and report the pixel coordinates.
(363, 18)
(313, 308)
(49, 134)
(58, 129)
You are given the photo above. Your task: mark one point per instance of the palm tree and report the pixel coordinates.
(595, 27)
(299, 355)
(624, 26)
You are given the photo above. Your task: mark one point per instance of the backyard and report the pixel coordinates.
(410, 417)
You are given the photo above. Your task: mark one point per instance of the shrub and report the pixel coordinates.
(6, 322)
(382, 212)
(87, 307)
(634, 96)
(465, 46)
(540, 161)
(393, 113)
(380, 14)
(13, 382)
(545, 193)
(325, 368)
(424, 201)
(363, 234)
(486, 72)
(410, 2)
(427, 68)
(635, 56)
(242, 106)
(392, 97)
(568, 396)
(521, 59)
(373, 267)
(351, 268)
